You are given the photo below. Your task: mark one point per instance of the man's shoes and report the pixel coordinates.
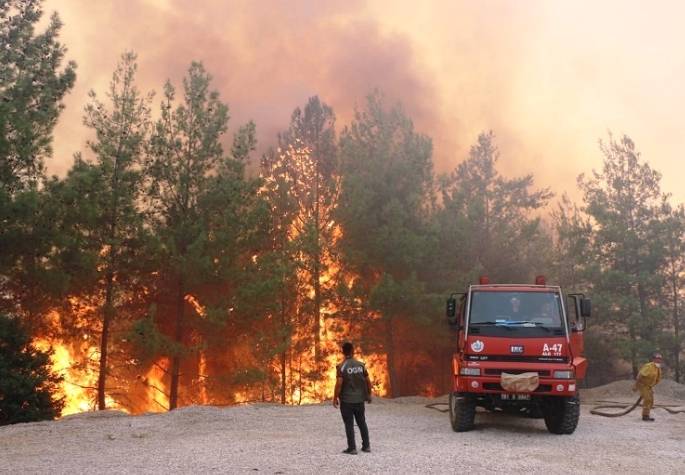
(366, 449)
(647, 418)
(350, 451)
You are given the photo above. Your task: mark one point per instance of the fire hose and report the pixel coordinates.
(628, 408)
(435, 404)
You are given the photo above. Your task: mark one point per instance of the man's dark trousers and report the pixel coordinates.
(352, 411)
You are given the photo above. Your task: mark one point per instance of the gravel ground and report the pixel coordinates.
(406, 437)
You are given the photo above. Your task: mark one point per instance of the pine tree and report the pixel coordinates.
(305, 171)
(281, 255)
(202, 208)
(624, 200)
(572, 238)
(32, 85)
(120, 135)
(674, 270)
(384, 205)
(492, 229)
(28, 389)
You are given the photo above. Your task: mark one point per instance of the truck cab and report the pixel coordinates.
(519, 349)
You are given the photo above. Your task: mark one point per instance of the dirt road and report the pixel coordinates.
(405, 436)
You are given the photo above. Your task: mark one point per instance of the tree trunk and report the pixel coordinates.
(108, 310)
(676, 327)
(285, 329)
(284, 361)
(317, 266)
(176, 360)
(317, 309)
(393, 378)
(108, 316)
(633, 353)
(284, 354)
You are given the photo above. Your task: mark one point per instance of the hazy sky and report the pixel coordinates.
(548, 77)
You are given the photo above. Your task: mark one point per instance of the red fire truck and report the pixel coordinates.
(519, 349)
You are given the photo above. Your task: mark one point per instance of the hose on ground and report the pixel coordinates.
(628, 408)
(597, 410)
(435, 404)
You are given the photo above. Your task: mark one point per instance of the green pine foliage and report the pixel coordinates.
(33, 82)
(203, 211)
(384, 210)
(28, 389)
(624, 201)
(32, 85)
(487, 222)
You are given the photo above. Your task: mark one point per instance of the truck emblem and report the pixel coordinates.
(517, 348)
(477, 346)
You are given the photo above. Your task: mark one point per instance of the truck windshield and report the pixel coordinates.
(541, 310)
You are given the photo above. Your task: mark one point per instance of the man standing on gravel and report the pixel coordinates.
(352, 388)
(648, 377)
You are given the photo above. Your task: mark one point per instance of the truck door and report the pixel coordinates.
(576, 322)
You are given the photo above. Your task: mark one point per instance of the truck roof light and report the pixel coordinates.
(484, 280)
(540, 280)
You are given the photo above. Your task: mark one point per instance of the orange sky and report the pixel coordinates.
(549, 77)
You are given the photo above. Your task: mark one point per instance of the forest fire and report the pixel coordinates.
(157, 396)
(75, 364)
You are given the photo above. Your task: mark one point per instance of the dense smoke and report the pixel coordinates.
(548, 78)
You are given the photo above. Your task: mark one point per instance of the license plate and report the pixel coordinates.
(515, 397)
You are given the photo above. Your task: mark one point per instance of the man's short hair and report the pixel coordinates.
(347, 348)
(657, 355)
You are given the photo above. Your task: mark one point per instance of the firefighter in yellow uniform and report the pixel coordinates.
(648, 377)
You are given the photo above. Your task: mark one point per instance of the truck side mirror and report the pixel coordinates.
(452, 311)
(585, 307)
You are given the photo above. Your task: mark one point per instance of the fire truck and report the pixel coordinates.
(519, 350)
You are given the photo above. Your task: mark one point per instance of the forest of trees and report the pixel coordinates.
(170, 247)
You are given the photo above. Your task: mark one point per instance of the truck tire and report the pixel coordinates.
(462, 412)
(561, 414)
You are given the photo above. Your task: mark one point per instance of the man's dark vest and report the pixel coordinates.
(354, 375)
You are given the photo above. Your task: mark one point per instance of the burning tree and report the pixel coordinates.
(120, 137)
(278, 262)
(301, 185)
(197, 199)
(310, 150)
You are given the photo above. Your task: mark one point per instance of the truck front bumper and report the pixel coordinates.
(491, 385)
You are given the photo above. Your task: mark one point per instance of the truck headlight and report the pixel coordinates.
(563, 374)
(469, 371)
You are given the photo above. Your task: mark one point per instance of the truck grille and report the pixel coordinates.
(497, 372)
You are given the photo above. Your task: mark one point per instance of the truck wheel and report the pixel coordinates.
(561, 414)
(462, 412)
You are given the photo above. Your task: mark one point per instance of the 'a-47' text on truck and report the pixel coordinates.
(519, 349)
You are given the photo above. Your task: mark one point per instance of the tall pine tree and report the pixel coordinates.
(120, 134)
(384, 205)
(493, 230)
(624, 200)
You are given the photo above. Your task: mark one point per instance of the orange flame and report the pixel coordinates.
(157, 396)
(78, 387)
